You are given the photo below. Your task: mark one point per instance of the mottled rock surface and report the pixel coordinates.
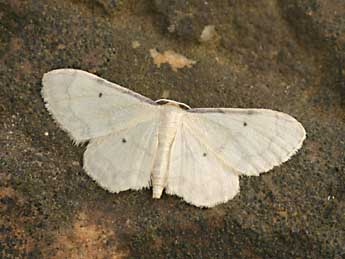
(286, 55)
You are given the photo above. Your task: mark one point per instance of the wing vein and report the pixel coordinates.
(202, 142)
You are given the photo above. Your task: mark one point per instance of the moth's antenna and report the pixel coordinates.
(173, 102)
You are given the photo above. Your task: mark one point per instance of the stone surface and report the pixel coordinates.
(284, 55)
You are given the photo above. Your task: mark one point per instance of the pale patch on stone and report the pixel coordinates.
(175, 60)
(209, 33)
(135, 44)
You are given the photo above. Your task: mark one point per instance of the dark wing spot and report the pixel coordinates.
(124, 140)
(204, 154)
(244, 124)
(100, 95)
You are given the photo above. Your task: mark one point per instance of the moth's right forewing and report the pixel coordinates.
(87, 106)
(251, 141)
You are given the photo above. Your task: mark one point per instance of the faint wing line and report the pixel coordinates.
(256, 130)
(202, 142)
(229, 139)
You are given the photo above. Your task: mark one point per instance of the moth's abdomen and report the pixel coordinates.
(169, 122)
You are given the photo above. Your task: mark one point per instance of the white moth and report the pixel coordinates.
(197, 154)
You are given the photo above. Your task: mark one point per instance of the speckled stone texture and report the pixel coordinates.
(286, 55)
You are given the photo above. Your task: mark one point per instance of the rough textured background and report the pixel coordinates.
(287, 55)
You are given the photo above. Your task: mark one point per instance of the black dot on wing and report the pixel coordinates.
(244, 124)
(204, 154)
(100, 95)
(124, 140)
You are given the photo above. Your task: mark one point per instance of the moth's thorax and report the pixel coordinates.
(170, 119)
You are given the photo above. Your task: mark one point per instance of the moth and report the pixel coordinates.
(135, 142)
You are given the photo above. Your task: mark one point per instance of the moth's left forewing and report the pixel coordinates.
(251, 141)
(87, 106)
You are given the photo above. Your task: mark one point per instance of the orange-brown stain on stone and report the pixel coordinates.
(87, 239)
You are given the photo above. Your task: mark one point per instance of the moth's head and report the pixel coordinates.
(173, 103)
